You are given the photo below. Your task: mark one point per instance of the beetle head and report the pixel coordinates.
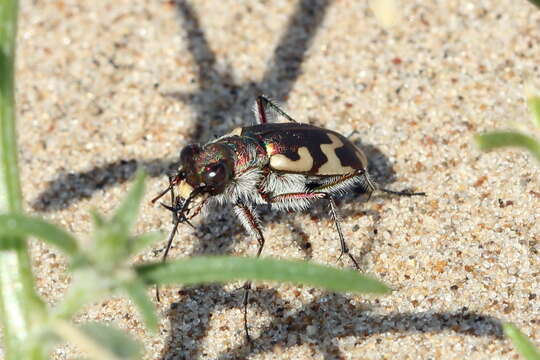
(207, 169)
(204, 172)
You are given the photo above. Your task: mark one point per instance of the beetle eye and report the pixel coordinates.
(216, 176)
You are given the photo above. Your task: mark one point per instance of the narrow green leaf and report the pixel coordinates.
(87, 286)
(10, 188)
(137, 292)
(99, 341)
(533, 103)
(111, 245)
(523, 345)
(499, 139)
(19, 302)
(114, 340)
(126, 214)
(200, 270)
(18, 225)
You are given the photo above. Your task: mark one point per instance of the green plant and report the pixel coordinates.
(524, 346)
(535, 2)
(104, 269)
(19, 303)
(499, 139)
(31, 329)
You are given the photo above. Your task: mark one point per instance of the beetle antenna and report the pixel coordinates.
(173, 180)
(161, 194)
(179, 214)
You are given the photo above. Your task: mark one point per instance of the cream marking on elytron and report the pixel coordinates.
(283, 163)
(333, 165)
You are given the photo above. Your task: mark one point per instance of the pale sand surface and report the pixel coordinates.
(104, 86)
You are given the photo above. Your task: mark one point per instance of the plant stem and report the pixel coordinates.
(10, 191)
(19, 303)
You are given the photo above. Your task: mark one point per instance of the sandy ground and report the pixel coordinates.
(106, 87)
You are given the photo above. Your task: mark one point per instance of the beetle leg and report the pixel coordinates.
(293, 196)
(333, 211)
(250, 222)
(344, 248)
(365, 180)
(262, 103)
(374, 186)
(402, 192)
(175, 221)
(261, 111)
(327, 187)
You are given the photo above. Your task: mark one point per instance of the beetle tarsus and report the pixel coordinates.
(251, 224)
(247, 288)
(344, 248)
(402, 192)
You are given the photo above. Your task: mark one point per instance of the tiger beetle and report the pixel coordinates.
(284, 165)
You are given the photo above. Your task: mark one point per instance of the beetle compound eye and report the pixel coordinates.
(216, 176)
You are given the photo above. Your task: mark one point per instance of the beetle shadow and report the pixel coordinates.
(218, 234)
(300, 238)
(70, 187)
(320, 323)
(218, 102)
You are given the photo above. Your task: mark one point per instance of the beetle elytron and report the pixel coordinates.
(284, 165)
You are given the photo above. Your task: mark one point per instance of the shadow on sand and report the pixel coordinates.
(333, 315)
